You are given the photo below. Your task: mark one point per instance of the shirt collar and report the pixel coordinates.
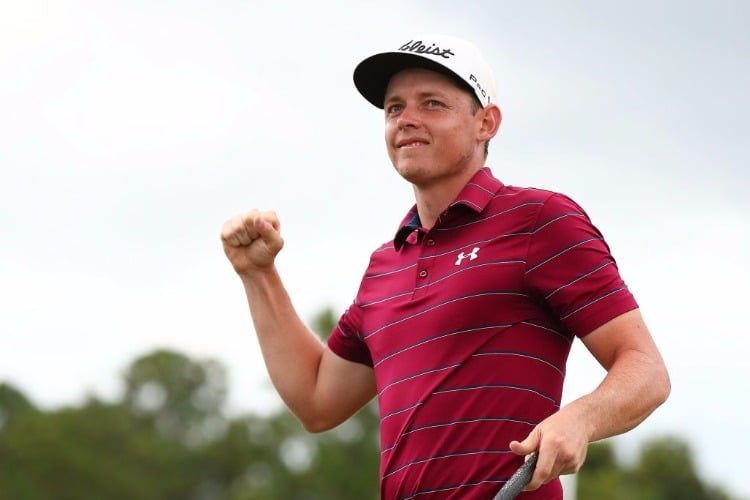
(475, 195)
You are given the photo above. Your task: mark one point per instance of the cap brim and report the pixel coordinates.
(372, 75)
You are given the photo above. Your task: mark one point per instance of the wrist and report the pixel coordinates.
(258, 275)
(589, 417)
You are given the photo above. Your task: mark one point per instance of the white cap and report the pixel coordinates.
(448, 55)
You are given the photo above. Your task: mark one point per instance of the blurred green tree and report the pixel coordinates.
(600, 477)
(183, 399)
(665, 470)
(169, 437)
(90, 452)
(12, 403)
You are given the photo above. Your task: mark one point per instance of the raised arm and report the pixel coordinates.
(635, 385)
(318, 386)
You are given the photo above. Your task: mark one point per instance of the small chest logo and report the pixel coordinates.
(471, 256)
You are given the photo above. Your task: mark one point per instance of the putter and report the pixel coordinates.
(518, 480)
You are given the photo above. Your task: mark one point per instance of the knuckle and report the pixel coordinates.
(228, 229)
(567, 456)
(543, 472)
(271, 217)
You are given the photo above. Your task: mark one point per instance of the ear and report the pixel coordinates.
(491, 118)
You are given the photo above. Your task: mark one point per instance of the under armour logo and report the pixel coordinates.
(471, 256)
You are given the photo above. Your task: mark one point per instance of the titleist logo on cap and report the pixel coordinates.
(420, 48)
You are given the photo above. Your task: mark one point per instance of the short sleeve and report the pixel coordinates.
(345, 340)
(570, 267)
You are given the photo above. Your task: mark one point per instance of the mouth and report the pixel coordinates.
(411, 143)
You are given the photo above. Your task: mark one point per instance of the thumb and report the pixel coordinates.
(527, 446)
(268, 230)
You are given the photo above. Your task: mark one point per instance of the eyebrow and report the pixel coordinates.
(421, 95)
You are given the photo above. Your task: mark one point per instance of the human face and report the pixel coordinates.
(432, 131)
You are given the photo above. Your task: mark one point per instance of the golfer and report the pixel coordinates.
(464, 318)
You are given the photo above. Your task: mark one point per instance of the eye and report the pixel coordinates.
(393, 108)
(433, 103)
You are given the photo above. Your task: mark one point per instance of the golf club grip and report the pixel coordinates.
(518, 480)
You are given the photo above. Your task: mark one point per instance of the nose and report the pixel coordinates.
(408, 117)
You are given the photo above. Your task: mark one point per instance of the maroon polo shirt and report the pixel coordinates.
(468, 326)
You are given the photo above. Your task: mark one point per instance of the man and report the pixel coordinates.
(463, 322)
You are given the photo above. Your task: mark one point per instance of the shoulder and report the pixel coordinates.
(525, 209)
(541, 196)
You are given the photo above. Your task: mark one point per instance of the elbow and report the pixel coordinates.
(315, 425)
(664, 388)
(659, 387)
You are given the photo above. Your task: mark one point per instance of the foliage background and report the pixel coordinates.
(169, 438)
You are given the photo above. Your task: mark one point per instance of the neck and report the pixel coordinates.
(433, 199)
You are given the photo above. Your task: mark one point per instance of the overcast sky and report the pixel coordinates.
(129, 131)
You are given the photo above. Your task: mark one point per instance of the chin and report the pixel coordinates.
(414, 174)
(409, 169)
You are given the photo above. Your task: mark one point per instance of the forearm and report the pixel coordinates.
(292, 353)
(319, 387)
(635, 385)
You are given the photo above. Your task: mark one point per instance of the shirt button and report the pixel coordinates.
(430, 243)
(423, 273)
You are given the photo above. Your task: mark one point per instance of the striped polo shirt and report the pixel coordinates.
(468, 326)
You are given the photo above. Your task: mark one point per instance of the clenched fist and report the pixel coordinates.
(252, 241)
